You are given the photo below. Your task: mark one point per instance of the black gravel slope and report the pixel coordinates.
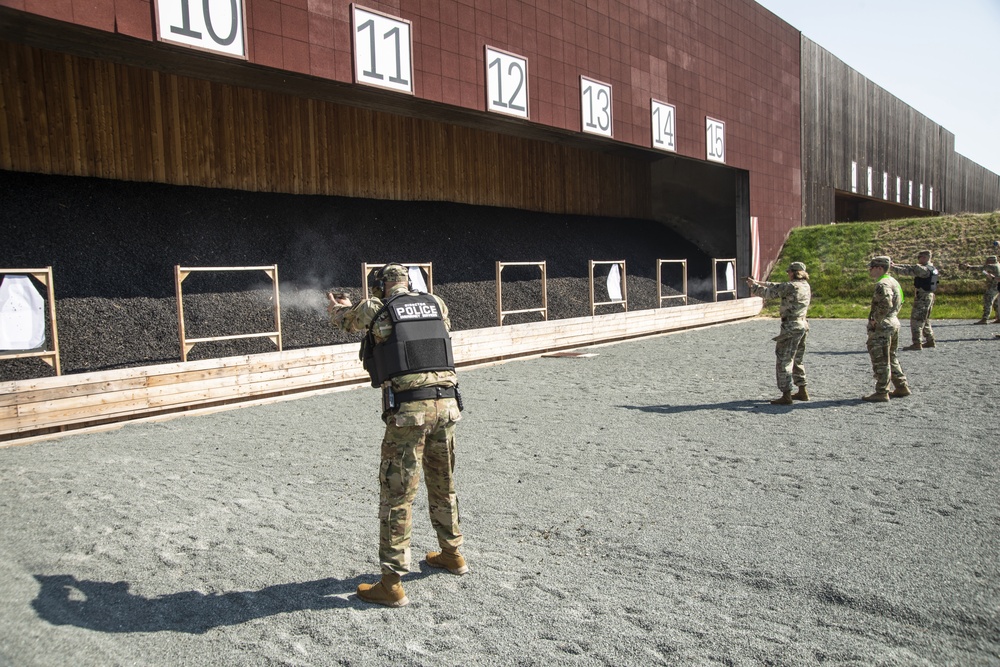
(113, 246)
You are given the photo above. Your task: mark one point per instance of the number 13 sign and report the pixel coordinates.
(382, 50)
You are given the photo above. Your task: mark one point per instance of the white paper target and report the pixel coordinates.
(730, 277)
(615, 283)
(417, 279)
(22, 315)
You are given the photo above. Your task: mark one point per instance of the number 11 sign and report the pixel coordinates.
(383, 50)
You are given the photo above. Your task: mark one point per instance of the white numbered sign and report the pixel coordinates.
(595, 106)
(382, 50)
(506, 83)
(211, 25)
(715, 140)
(664, 117)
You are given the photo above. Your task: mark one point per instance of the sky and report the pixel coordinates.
(940, 57)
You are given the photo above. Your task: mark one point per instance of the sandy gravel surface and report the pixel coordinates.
(643, 506)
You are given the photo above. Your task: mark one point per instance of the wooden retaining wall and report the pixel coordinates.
(48, 407)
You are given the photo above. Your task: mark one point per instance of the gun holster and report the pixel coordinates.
(388, 399)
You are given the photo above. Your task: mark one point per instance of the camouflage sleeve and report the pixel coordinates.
(444, 312)
(354, 318)
(909, 270)
(881, 303)
(769, 291)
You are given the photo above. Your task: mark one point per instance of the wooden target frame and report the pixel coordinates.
(367, 268)
(544, 310)
(182, 272)
(594, 304)
(659, 281)
(715, 278)
(51, 357)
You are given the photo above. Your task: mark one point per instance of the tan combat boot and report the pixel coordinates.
(929, 343)
(786, 399)
(387, 591)
(801, 394)
(916, 346)
(451, 561)
(900, 391)
(877, 397)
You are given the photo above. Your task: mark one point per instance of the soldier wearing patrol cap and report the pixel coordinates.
(790, 343)
(407, 352)
(991, 269)
(925, 280)
(883, 333)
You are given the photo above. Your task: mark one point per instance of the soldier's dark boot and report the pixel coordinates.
(929, 343)
(900, 390)
(451, 561)
(982, 321)
(387, 590)
(996, 321)
(915, 346)
(786, 399)
(801, 394)
(877, 397)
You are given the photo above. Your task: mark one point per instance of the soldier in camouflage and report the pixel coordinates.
(407, 352)
(790, 344)
(883, 333)
(925, 280)
(991, 270)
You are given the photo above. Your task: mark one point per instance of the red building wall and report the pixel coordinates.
(729, 59)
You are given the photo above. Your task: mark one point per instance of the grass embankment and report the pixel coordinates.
(837, 255)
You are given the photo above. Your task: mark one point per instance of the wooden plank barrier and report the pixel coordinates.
(48, 407)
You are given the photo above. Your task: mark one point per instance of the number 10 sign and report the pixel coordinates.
(209, 25)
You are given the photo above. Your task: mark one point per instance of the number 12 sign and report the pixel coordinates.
(383, 50)
(506, 83)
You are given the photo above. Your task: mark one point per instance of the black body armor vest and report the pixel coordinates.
(928, 284)
(419, 341)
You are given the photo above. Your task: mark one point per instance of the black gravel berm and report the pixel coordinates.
(113, 246)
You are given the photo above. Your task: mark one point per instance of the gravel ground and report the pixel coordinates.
(113, 246)
(642, 506)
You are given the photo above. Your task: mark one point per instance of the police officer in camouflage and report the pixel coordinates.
(407, 353)
(790, 344)
(925, 280)
(883, 333)
(991, 269)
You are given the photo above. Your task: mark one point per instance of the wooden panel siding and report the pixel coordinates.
(65, 114)
(846, 118)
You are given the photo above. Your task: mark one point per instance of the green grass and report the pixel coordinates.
(836, 257)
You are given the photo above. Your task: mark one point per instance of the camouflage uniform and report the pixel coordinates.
(790, 344)
(883, 334)
(991, 267)
(920, 315)
(417, 434)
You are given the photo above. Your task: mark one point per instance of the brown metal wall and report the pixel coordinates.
(846, 118)
(972, 188)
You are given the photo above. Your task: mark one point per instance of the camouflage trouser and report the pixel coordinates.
(882, 344)
(419, 434)
(988, 301)
(920, 317)
(789, 347)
